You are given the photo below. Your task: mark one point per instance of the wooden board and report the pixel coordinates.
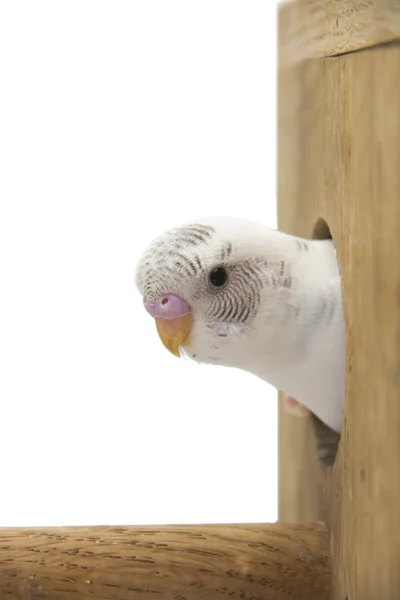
(361, 154)
(320, 28)
(339, 158)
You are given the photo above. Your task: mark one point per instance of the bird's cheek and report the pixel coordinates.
(175, 332)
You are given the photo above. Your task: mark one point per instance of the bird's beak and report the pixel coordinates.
(174, 332)
(173, 319)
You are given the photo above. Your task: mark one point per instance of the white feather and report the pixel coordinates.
(296, 341)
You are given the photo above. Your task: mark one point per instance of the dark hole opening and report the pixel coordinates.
(321, 231)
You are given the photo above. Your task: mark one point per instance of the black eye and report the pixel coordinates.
(218, 277)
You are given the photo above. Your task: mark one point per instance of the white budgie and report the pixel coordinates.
(235, 293)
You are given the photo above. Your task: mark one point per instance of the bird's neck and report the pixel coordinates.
(309, 316)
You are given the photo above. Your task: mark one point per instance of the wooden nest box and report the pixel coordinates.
(338, 167)
(339, 160)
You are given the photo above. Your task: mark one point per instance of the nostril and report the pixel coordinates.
(168, 306)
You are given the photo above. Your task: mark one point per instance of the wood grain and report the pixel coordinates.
(277, 562)
(320, 28)
(363, 173)
(339, 159)
(349, 142)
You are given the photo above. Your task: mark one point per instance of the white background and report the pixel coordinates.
(118, 120)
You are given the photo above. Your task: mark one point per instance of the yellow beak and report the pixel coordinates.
(174, 332)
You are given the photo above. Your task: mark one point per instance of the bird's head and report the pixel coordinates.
(204, 283)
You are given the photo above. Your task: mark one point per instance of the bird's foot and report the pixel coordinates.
(293, 407)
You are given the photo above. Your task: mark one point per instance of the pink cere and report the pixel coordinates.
(167, 306)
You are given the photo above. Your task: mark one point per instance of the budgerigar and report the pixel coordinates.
(231, 292)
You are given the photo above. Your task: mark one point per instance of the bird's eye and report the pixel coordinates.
(218, 277)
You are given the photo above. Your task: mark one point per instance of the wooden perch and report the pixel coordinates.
(277, 562)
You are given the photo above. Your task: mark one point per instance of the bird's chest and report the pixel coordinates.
(317, 379)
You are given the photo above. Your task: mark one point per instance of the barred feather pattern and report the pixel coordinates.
(173, 262)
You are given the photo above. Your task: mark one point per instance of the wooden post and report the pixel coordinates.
(277, 562)
(339, 159)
